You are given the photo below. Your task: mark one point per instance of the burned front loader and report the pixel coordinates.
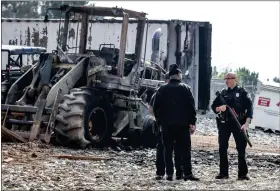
(87, 97)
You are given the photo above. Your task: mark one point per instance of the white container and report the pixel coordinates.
(267, 107)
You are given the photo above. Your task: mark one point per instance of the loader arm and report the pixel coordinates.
(20, 82)
(67, 82)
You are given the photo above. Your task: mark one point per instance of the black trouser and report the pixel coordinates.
(180, 138)
(178, 159)
(160, 164)
(225, 130)
(160, 156)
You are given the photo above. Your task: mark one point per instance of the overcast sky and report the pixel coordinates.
(244, 33)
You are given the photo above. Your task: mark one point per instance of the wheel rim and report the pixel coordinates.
(97, 124)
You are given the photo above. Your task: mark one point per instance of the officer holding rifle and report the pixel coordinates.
(238, 99)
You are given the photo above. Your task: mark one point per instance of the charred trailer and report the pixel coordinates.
(187, 43)
(189, 46)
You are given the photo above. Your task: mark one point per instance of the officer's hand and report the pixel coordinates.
(223, 108)
(244, 127)
(192, 128)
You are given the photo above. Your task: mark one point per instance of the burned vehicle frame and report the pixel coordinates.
(13, 64)
(83, 98)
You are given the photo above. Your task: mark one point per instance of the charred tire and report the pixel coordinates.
(84, 117)
(148, 135)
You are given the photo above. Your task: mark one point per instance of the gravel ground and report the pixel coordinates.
(33, 167)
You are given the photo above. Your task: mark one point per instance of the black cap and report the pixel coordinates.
(173, 69)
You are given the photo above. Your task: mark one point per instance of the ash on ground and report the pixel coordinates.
(26, 167)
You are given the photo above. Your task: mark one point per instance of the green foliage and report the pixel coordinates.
(245, 77)
(30, 9)
(19, 9)
(277, 80)
(224, 72)
(215, 73)
(56, 14)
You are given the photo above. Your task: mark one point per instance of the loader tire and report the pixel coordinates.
(149, 137)
(84, 118)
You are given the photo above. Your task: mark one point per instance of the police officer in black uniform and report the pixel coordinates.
(239, 100)
(175, 112)
(160, 165)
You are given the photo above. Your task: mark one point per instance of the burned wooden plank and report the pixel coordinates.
(23, 122)
(50, 126)
(26, 134)
(17, 114)
(18, 108)
(40, 104)
(11, 135)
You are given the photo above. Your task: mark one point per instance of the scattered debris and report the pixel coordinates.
(11, 135)
(7, 160)
(135, 170)
(34, 155)
(73, 157)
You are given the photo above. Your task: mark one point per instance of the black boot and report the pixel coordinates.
(221, 176)
(159, 177)
(169, 177)
(179, 175)
(191, 177)
(245, 177)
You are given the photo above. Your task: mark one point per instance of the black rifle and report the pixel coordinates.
(218, 94)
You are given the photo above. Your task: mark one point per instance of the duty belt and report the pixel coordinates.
(223, 117)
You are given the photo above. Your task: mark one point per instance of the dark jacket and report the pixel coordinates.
(151, 103)
(238, 99)
(174, 105)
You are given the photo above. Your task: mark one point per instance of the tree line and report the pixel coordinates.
(33, 9)
(245, 76)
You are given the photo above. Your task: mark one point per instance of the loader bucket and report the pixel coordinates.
(17, 115)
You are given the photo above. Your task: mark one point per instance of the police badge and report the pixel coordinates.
(237, 95)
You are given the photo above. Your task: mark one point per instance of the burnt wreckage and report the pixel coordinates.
(86, 98)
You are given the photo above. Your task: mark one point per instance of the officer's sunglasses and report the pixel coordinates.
(232, 78)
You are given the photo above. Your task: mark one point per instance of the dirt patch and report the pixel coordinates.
(212, 142)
